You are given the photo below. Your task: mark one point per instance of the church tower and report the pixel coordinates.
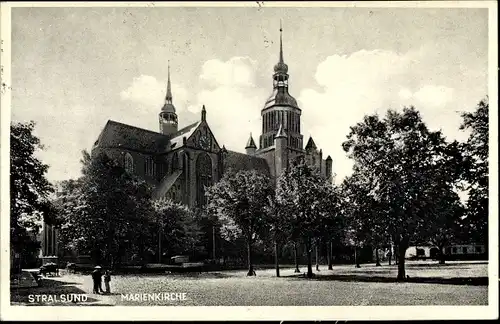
(281, 109)
(168, 117)
(281, 153)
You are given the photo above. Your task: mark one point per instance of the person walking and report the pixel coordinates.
(107, 279)
(96, 278)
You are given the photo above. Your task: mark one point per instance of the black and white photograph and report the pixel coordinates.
(268, 160)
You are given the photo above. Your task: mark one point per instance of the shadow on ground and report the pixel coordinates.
(49, 287)
(471, 281)
(182, 275)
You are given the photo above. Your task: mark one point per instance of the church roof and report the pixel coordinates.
(281, 98)
(120, 135)
(239, 161)
(168, 107)
(176, 140)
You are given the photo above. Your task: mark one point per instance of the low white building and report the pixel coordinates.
(453, 251)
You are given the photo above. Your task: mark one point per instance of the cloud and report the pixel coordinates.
(434, 96)
(367, 82)
(232, 99)
(236, 72)
(63, 152)
(148, 91)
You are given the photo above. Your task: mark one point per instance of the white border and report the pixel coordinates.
(9, 312)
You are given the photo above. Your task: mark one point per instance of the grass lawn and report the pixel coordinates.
(456, 283)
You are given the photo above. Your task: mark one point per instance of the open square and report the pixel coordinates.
(456, 283)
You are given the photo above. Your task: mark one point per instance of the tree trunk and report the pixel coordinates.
(442, 256)
(251, 271)
(396, 255)
(317, 255)
(213, 243)
(296, 254)
(356, 258)
(309, 258)
(329, 255)
(276, 258)
(401, 261)
(159, 245)
(377, 264)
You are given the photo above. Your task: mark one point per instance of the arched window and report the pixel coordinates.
(203, 177)
(129, 163)
(183, 191)
(149, 166)
(175, 163)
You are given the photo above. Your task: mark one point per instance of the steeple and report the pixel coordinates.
(168, 106)
(310, 144)
(281, 67)
(251, 143)
(251, 147)
(281, 108)
(203, 113)
(281, 44)
(168, 117)
(168, 97)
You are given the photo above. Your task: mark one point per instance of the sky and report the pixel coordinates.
(73, 69)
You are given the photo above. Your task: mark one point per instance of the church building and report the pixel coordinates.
(179, 163)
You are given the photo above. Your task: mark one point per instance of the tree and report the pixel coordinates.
(113, 214)
(304, 192)
(476, 174)
(178, 229)
(360, 211)
(29, 188)
(401, 160)
(68, 201)
(446, 224)
(280, 229)
(289, 227)
(332, 219)
(239, 200)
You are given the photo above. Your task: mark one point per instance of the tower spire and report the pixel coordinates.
(281, 67)
(168, 117)
(168, 97)
(251, 142)
(281, 44)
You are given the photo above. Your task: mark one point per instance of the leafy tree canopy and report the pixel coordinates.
(29, 187)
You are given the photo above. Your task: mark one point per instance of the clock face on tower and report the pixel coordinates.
(204, 140)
